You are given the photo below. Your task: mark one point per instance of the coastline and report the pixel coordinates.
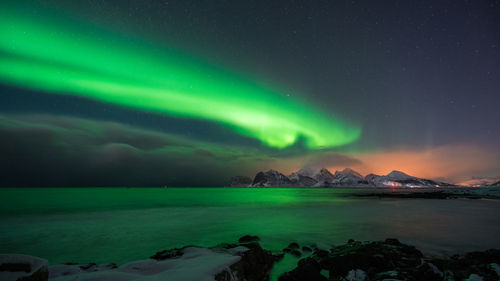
(247, 260)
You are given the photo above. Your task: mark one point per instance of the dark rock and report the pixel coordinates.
(350, 241)
(307, 269)
(426, 272)
(226, 246)
(287, 250)
(293, 246)
(278, 257)
(392, 241)
(371, 257)
(255, 265)
(15, 267)
(320, 253)
(471, 263)
(168, 254)
(306, 249)
(91, 267)
(248, 239)
(296, 253)
(88, 266)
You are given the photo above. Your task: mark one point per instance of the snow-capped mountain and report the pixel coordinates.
(301, 180)
(322, 177)
(308, 177)
(271, 178)
(348, 177)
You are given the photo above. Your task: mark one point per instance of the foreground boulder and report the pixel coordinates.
(254, 265)
(248, 239)
(307, 269)
(15, 267)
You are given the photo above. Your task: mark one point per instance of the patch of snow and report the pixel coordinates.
(496, 268)
(474, 277)
(435, 269)
(195, 264)
(356, 275)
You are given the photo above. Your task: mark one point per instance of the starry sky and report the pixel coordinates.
(190, 93)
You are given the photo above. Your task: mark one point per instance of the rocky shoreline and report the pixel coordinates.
(247, 260)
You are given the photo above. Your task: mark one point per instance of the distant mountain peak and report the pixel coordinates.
(398, 175)
(307, 171)
(270, 178)
(349, 171)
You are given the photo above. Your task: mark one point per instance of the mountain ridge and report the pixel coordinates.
(307, 177)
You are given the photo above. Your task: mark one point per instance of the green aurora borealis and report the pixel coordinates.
(48, 54)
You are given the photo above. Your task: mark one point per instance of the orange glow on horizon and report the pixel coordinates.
(452, 162)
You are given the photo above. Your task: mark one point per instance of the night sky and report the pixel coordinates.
(190, 93)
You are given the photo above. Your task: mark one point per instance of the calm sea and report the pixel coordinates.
(124, 224)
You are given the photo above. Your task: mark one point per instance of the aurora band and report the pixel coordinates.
(59, 57)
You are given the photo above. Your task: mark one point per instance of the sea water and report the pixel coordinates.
(119, 225)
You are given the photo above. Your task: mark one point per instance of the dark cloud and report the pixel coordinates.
(332, 159)
(43, 150)
(50, 150)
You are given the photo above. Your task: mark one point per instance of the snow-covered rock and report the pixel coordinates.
(356, 275)
(15, 267)
(192, 265)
